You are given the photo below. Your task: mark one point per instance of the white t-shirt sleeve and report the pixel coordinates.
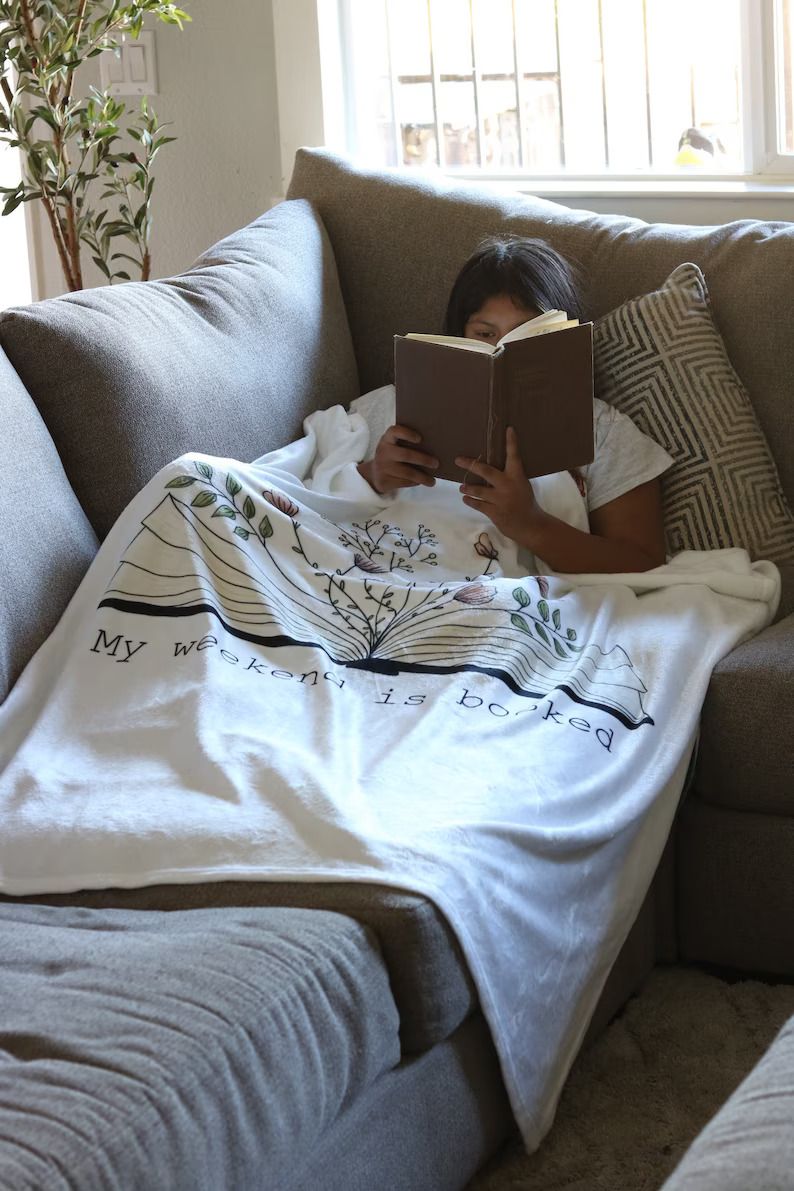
(624, 457)
(378, 409)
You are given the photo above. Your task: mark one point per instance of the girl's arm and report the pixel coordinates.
(627, 533)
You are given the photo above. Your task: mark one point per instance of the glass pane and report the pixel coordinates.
(451, 36)
(410, 37)
(693, 92)
(582, 85)
(541, 117)
(784, 42)
(501, 150)
(536, 36)
(623, 85)
(493, 32)
(417, 123)
(459, 122)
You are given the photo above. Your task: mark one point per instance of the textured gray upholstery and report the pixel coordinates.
(226, 359)
(205, 1049)
(742, 764)
(425, 1126)
(46, 542)
(749, 1144)
(735, 892)
(430, 982)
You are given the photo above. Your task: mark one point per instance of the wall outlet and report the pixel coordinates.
(132, 68)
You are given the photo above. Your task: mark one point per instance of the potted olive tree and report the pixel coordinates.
(85, 158)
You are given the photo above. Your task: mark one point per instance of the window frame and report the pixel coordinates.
(766, 168)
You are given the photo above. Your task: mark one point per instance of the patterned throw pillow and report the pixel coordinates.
(661, 360)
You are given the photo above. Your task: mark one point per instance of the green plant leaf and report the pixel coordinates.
(570, 634)
(544, 636)
(232, 485)
(556, 618)
(203, 499)
(242, 533)
(558, 649)
(265, 528)
(249, 508)
(204, 469)
(225, 511)
(543, 609)
(521, 597)
(518, 622)
(181, 482)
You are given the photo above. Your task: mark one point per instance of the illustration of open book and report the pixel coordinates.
(462, 394)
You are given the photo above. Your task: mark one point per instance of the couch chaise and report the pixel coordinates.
(297, 1035)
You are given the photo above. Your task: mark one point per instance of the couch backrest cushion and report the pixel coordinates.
(400, 241)
(226, 358)
(46, 542)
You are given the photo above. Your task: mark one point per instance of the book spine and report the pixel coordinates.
(497, 415)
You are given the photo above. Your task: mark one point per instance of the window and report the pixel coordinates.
(510, 88)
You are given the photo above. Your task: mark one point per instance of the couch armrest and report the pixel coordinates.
(746, 758)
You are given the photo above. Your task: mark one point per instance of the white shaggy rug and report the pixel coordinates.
(638, 1096)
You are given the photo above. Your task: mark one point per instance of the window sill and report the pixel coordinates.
(701, 188)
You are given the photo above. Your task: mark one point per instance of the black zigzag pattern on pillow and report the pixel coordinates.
(661, 360)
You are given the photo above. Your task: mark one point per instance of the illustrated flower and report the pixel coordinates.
(543, 584)
(282, 503)
(475, 594)
(366, 564)
(485, 547)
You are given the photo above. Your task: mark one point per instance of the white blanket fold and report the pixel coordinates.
(272, 672)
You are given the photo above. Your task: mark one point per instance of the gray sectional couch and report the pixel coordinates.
(293, 1035)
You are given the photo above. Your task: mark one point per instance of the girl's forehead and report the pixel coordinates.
(501, 306)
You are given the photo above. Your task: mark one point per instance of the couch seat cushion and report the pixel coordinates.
(430, 981)
(226, 359)
(202, 1048)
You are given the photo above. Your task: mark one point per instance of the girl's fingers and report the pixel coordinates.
(513, 462)
(491, 475)
(396, 434)
(417, 458)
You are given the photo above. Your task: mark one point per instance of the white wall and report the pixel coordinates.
(217, 85)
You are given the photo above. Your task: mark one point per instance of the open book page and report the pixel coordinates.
(541, 324)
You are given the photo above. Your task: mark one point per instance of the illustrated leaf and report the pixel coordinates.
(521, 597)
(571, 634)
(544, 636)
(242, 533)
(225, 511)
(232, 485)
(181, 482)
(203, 499)
(518, 622)
(543, 609)
(556, 618)
(560, 652)
(205, 470)
(265, 528)
(249, 508)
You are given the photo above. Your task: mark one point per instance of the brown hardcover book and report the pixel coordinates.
(461, 395)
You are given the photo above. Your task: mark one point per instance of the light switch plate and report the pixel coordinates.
(132, 68)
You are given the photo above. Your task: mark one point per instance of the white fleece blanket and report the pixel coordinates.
(270, 672)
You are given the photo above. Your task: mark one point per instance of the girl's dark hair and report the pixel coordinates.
(529, 271)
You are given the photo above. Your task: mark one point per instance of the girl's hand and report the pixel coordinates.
(396, 465)
(507, 497)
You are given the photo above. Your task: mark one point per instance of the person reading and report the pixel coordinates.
(504, 283)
